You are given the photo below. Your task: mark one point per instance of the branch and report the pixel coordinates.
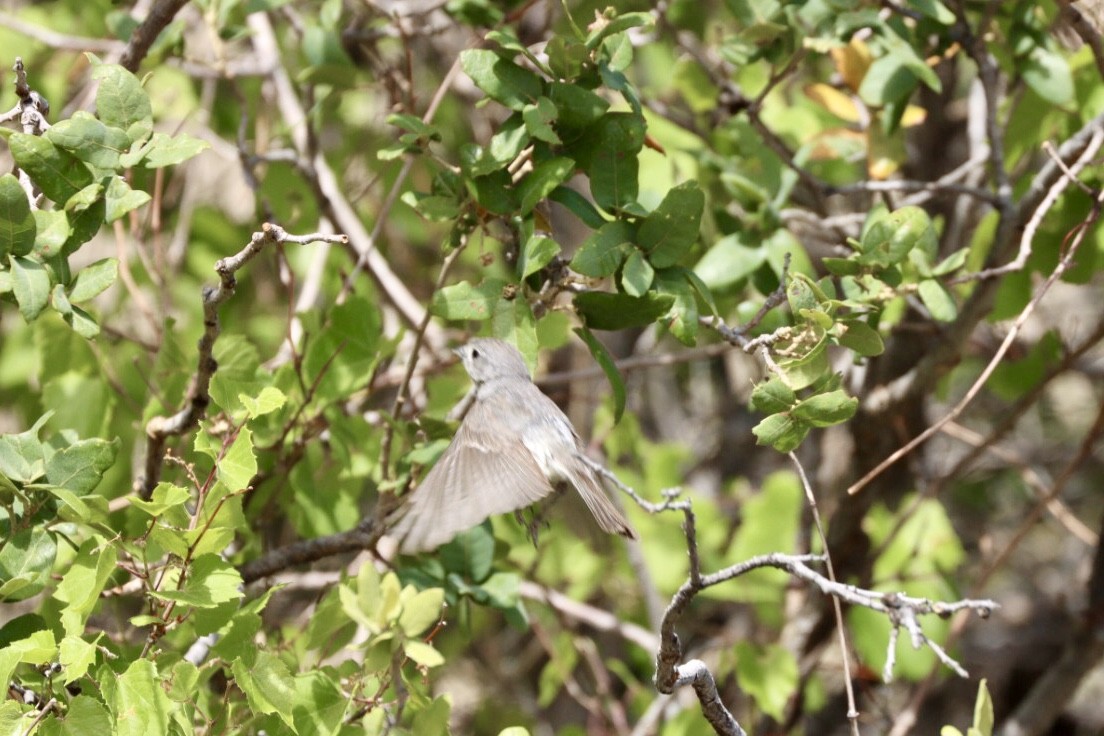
(160, 428)
(364, 536)
(147, 32)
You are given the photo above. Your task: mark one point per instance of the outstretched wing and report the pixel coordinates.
(480, 474)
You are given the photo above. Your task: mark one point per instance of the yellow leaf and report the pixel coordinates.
(852, 61)
(834, 101)
(912, 116)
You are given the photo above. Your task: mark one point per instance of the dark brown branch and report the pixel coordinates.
(160, 15)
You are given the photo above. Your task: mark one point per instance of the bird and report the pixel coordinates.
(513, 448)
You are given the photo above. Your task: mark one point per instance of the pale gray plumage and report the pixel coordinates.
(513, 446)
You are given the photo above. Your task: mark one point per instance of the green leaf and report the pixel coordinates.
(414, 124)
(31, 286)
(609, 367)
(602, 30)
(82, 584)
(25, 564)
(577, 107)
(164, 150)
(602, 253)
(94, 279)
(513, 322)
(540, 182)
(139, 702)
(267, 401)
(210, 581)
(90, 140)
(890, 236)
(52, 231)
(637, 275)
(58, 173)
(769, 674)
(537, 253)
(937, 299)
(504, 146)
(121, 199)
(539, 119)
(464, 301)
(82, 323)
(421, 611)
(86, 715)
(80, 466)
(267, 684)
(668, 232)
(1048, 74)
(861, 337)
(121, 102)
(238, 466)
(470, 554)
(579, 206)
(604, 311)
(772, 396)
(780, 431)
(501, 79)
(729, 261)
(983, 710)
(827, 409)
(682, 318)
(423, 653)
(17, 225)
(614, 178)
(165, 497)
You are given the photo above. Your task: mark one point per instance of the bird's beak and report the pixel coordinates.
(457, 353)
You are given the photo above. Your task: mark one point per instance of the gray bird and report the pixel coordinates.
(512, 449)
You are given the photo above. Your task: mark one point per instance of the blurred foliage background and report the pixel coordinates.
(720, 232)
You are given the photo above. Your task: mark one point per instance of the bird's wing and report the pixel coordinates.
(608, 516)
(480, 474)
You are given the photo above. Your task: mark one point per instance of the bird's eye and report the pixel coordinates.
(475, 353)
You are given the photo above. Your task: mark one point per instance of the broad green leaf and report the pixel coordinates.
(170, 151)
(165, 497)
(470, 554)
(729, 261)
(603, 252)
(464, 301)
(18, 226)
(139, 703)
(1048, 74)
(604, 311)
(937, 299)
(209, 582)
(577, 107)
(25, 564)
(769, 674)
(538, 252)
(861, 337)
(682, 318)
(603, 29)
(84, 224)
(579, 206)
(609, 367)
(57, 172)
(270, 399)
(421, 611)
(52, 231)
(31, 286)
(320, 704)
(637, 274)
(505, 146)
(668, 232)
(90, 140)
(82, 323)
(780, 431)
(80, 466)
(540, 182)
(414, 124)
(827, 409)
(21, 455)
(86, 716)
(75, 656)
(94, 279)
(983, 710)
(772, 396)
(614, 178)
(60, 301)
(889, 238)
(501, 79)
(121, 199)
(423, 653)
(539, 119)
(238, 465)
(121, 102)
